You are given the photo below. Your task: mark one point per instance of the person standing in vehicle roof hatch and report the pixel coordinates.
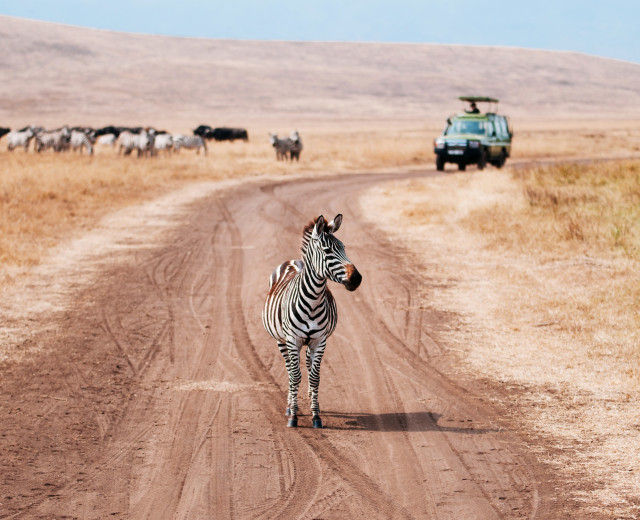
(473, 109)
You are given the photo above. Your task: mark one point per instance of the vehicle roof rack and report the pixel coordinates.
(477, 99)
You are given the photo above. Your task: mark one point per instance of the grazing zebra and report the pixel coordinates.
(296, 145)
(56, 139)
(142, 142)
(18, 138)
(300, 310)
(107, 140)
(190, 142)
(164, 142)
(282, 146)
(80, 140)
(4, 131)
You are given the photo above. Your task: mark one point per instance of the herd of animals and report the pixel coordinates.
(146, 142)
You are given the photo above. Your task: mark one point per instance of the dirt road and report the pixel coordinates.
(159, 394)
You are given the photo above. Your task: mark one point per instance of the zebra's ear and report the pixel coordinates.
(334, 225)
(319, 228)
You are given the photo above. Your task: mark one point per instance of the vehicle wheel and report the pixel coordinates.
(501, 160)
(462, 167)
(439, 164)
(482, 162)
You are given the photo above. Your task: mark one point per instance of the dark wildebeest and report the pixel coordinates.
(202, 131)
(4, 131)
(115, 130)
(228, 134)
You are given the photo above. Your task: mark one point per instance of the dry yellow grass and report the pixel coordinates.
(45, 197)
(547, 293)
(589, 139)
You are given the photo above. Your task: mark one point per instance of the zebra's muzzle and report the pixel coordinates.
(353, 279)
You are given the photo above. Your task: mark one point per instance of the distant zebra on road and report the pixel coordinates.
(299, 309)
(17, 138)
(191, 142)
(56, 139)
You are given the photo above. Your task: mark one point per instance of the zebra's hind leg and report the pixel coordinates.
(294, 381)
(317, 351)
(285, 354)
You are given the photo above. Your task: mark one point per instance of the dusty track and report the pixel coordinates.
(161, 396)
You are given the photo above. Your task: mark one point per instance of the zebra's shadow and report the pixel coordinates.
(392, 422)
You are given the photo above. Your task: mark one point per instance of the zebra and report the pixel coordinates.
(80, 140)
(18, 138)
(142, 142)
(296, 145)
(300, 310)
(190, 142)
(56, 139)
(106, 140)
(164, 142)
(282, 146)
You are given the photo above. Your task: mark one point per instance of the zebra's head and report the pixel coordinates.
(326, 253)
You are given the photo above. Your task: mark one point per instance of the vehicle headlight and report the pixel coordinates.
(439, 143)
(474, 144)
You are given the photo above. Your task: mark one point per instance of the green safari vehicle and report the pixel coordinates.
(474, 137)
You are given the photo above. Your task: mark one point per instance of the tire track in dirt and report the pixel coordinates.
(197, 428)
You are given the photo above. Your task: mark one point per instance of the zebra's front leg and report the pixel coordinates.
(295, 377)
(314, 358)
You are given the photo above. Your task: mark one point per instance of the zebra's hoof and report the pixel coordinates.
(288, 412)
(293, 422)
(317, 422)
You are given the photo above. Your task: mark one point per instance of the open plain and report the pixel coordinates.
(486, 368)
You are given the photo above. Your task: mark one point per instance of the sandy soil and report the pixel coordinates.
(151, 390)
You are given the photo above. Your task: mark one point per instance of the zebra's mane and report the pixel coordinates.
(306, 236)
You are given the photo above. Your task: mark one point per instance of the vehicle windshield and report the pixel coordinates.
(463, 126)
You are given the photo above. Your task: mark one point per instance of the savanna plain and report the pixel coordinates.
(534, 268)
(536, 264)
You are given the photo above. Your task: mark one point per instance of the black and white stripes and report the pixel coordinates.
(300, 310)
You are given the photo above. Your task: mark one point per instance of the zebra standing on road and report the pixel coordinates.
(300, 309)
(190, 142)
(56, 139)
(18, 138)
(282, 146)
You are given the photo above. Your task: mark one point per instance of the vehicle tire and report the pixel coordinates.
(439, 164)
(462, 166)
(501, 160)
(482, 162)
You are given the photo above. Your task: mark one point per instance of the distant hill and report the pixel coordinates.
(54, 74)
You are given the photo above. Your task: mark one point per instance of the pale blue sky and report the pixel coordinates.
(606, 28)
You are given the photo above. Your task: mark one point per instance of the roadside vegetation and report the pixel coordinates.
(45, 198)
(541, 265)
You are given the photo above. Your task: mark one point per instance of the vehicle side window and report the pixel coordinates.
(491, 129)
(502, 128)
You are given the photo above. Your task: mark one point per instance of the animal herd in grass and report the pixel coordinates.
(144, 142)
